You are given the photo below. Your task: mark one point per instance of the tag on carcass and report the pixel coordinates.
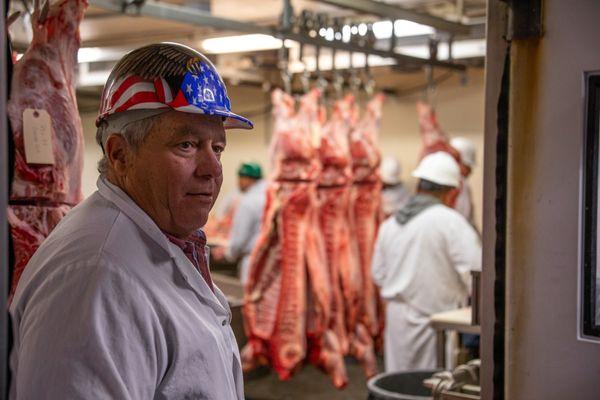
(37, 137)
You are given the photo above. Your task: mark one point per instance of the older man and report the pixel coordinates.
(118, 302)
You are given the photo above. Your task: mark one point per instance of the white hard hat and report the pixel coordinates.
(440, 168)
(466, 148)
(390, 170)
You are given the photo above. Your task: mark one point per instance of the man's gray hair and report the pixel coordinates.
(134, 133)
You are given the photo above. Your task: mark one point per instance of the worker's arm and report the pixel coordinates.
(378, 264)
(88, 332)
(464, 248)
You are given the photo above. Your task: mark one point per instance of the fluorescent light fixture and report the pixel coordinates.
(383, 29)
(462, 49)
(243, 43)
(403, 28)
(95, 54)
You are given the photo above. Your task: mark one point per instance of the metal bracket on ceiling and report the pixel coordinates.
(134, 5)
(525, 19)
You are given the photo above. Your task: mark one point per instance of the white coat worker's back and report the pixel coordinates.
(426, 263)
(423, 267)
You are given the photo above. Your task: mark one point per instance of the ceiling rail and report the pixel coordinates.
(396, 12)
(205, 19)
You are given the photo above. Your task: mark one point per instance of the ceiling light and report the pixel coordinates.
(330, 34)
(404, 28)
(322, 32)
(346, 33)
(242, 43)
(354, 29)
(462, 49)
(383, 29)
(362, 29)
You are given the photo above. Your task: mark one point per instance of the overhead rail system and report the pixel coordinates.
(304, 28)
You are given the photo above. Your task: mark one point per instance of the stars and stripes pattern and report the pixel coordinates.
(200, 92)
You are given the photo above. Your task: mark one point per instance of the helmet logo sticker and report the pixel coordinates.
(208, 95)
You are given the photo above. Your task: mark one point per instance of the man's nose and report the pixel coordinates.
(208, 164)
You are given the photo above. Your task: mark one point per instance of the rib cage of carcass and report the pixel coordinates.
(304, 298)
(44, 79)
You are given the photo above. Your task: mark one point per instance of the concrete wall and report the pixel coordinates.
(460, 113)
(544, 358)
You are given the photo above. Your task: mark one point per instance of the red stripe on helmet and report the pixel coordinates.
(123, 86)
(140, 97)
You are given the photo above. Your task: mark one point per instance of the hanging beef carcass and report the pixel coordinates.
(44, 84)
(286, 269)
(365, 216)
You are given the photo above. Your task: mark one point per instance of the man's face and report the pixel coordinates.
(245, 182)
(176, 174)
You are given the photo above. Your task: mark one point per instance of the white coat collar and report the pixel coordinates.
(119, 198)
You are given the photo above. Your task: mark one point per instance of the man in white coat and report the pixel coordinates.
(422, 262)
(245, 227)
(118, 302)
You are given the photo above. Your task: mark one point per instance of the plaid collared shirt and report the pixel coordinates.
(194, 248)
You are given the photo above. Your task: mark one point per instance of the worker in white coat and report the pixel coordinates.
(118, 302)
(245, 227)
(464, 201)
(394, 194)
(422, 262)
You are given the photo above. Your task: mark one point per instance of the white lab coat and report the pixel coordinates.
(394, 198)
(108, 308)
(245, 227)
(422, 268)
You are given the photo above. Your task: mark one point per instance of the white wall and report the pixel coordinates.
(460, 113)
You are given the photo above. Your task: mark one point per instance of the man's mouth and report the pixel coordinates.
(206, 196)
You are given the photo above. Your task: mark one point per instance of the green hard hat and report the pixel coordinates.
(250, 169)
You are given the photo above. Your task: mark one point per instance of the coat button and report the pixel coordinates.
(224, 322)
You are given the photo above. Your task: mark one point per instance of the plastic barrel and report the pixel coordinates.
(400, 386)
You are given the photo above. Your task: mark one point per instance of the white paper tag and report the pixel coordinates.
(37, 137)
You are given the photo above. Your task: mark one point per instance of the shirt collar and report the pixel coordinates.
(125, 204)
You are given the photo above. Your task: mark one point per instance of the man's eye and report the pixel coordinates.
(186, 145)
(218, 149)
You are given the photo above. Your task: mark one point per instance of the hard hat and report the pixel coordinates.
(390, 170)
(162, 77)
(251, 170)
(440, 168)
(466, 148)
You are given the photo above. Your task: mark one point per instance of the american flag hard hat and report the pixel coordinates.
(167, 76)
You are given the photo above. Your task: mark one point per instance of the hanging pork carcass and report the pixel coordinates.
(287, 271)
(433, 138)
(46, 129)
(365, 215)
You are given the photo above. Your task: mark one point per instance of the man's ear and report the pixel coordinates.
(117, 151)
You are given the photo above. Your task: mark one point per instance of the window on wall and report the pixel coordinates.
(590, 223)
